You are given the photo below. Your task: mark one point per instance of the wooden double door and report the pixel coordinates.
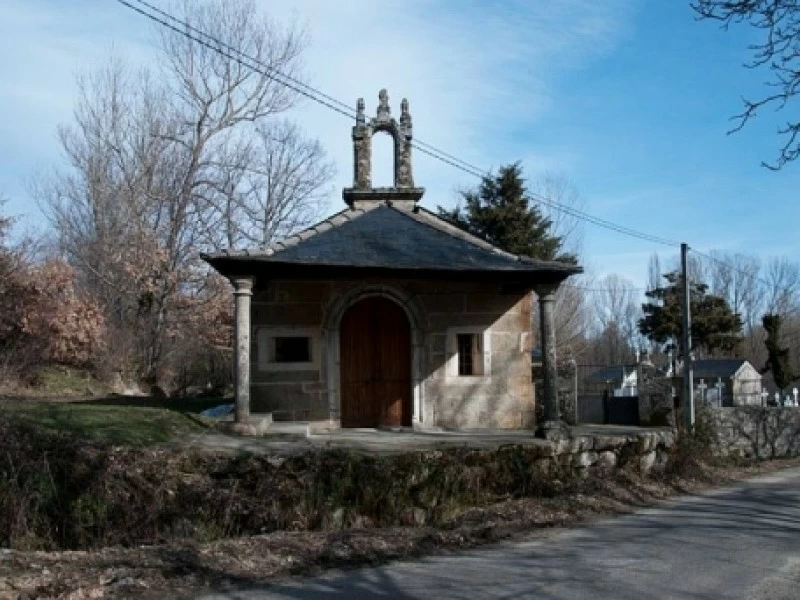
(375, 359)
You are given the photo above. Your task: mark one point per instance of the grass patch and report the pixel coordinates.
(112, 424)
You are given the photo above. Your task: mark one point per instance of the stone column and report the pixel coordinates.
(242, 290)
(551, 426)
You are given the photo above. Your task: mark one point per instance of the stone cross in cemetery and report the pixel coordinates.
(703, 387)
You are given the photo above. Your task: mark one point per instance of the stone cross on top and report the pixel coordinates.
(403, 189)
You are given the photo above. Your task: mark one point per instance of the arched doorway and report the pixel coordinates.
(375, 359)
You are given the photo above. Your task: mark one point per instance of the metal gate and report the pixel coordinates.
(623, 410)
(608, 410)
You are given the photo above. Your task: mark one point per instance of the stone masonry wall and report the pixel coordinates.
(503, 399)
(289, 394)
(757, 432)
(645, 451)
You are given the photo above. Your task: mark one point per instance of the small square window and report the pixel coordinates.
(288, 348)
(294, 349)
(470, 354)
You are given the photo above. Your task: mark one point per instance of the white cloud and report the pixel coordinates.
(478, 75)
(45, 44)
(632, 265)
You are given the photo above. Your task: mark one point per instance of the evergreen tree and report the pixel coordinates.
(778, 358)
(502, 212)
(715, 327)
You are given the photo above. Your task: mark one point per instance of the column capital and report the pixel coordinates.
(242, 286)
(546, 291)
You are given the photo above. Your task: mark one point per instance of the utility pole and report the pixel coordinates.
(688, 375)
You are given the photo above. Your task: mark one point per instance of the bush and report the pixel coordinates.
(694, 451)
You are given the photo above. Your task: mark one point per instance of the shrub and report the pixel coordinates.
(694, 451)
(62, 492)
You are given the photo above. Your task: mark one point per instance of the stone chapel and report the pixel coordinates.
(385, 315)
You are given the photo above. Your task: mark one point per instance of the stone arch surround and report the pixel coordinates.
(330, 332)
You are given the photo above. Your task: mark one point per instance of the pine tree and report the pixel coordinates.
(715, 326)
(502, 212)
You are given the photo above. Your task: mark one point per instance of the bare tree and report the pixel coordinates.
(697, 269)
(12, 255)
(735, 277)
(778, 24)
(162, 168)
(781, 286)
(564, 224)
(283, 189)
(608, 347)
(618, 310)
(571, 321)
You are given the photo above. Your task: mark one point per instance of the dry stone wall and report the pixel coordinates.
(756, 432)
(155, 493)
(645, 451)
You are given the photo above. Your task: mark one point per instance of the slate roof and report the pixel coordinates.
(389, 237)
(618, 372)
(717, 367)
(612, 373)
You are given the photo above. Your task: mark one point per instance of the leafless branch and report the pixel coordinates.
(778, 52)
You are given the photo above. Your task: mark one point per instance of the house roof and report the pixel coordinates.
(717, 367)
(387, 237)
(612, 373)
(618, 373)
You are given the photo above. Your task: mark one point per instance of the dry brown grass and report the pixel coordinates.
(214, 520)
(186, 567)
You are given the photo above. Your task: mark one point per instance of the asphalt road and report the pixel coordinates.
(740, 542)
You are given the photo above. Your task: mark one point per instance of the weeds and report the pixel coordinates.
(694, 451)
(61, 491)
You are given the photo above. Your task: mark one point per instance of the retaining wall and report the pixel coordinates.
(644, 451)
(757, 432)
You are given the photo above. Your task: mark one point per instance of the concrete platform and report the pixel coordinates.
(296, 437)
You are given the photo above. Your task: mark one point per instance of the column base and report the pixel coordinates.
(323, 427)
(420, 427)
(253, 427)
(553, 430)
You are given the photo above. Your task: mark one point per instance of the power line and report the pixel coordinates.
(596, 289)
(275, 75)
(338, 105)
(332, 103)
(732, 268)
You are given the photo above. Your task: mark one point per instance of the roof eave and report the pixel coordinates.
(241, 265)
(264, 258)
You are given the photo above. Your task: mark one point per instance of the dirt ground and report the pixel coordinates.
(184, 569)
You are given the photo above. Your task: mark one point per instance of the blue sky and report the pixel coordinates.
(627, 100)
